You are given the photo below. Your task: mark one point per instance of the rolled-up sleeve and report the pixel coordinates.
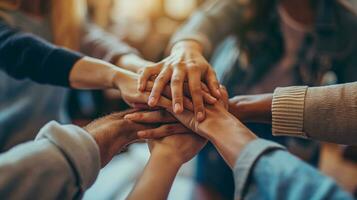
(210, 24)
(102, 45)
(23, 56)
(264, 170)
(61, 163)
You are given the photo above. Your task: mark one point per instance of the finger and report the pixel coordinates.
(146, 74)
(163, 131)
(178, 78)
(143, 106)
(213, 84)
(194, 82)
(162, 79)
(187, 103)
(158, 116)
(225, 96)
(208, 98)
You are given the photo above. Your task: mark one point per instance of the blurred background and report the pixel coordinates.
(147, 25)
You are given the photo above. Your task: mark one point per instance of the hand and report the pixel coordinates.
(252, 108)
(112, 133)
(186, 117)
(171, 126)
(181, 148)
(167, 156)
(224, 130)
(185, 62)
(127, 83)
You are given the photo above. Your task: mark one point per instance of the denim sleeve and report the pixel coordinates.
(265, 170)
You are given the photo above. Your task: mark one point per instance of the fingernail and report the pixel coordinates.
(214, 99)
(177, 107)
(151, 101)
(219, 92)
(141, 134)
(200, 116)
(129, 116)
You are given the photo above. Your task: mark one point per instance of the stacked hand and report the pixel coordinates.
(185, 63)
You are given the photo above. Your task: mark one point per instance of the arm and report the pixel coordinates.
(325, 113)
(157, 177)
(64, 161)
(25, 56)
(61, 163)
(103, 45)
(209, 25)
(214, 21)
(167, 156)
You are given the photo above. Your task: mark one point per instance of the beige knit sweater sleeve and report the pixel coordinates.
(327, 113)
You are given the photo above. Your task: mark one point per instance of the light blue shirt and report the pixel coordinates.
(265, 170)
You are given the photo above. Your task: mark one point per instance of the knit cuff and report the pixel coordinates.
(288, 111)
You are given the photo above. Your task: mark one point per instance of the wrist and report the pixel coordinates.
(231, 143)
(169, 157)
(131, 62)
(187, 45)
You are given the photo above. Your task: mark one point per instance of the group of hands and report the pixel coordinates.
(178, 104)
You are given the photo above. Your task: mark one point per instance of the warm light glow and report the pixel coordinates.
(180, 9)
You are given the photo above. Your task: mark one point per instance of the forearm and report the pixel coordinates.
(227, 134)
(156, 181)
(298, 111)
(90, 73)
(231, 141)
(263, 163)
(32, 169)
(209, 25)
(101, 44)
(252, 108)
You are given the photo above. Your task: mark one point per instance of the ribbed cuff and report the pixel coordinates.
(288, 111)
(78, 147)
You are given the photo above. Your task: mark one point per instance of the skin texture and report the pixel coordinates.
(132, 62)
(252, 108)
(112, 133)
(185, 63)
(220, 127)
(91, 73)
(167, 156)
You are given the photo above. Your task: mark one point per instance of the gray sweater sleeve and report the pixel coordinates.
(327, 113)
(209, 25)
(61, 163)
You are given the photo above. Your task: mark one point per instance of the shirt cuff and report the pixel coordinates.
(245, 163)
(79, 148)
(58, 66)
(288, 111)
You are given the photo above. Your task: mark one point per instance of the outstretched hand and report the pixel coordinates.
(186, 62)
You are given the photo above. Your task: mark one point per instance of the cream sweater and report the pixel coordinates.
(327, 113)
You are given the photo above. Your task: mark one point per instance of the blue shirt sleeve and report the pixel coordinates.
(272, 173)
(26, 56)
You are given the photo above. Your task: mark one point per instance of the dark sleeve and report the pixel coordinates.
(26, 56)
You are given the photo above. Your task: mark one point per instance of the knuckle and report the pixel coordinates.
(196, 91)
(161, 78)
(176, 80)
